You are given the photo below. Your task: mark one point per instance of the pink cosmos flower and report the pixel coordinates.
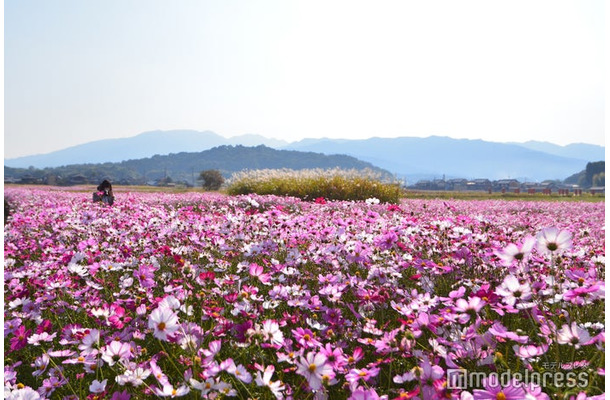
(334, 356)
(146, 275)
(500, 331)
(580, 295)
(551, 240)
(133, 375)
(305, 337)
(365, 374)
(211, 351)
(169, 391)
(471, 306)
(116, 351)
(276, 387)
(36, 338)
(534, 392)
(516, 252)
(19, 339)
(40, 364)
(158, 373)
(90, 342)
(97, 386)
(386, 241)
(117, 318)
(272, 332)
(257, 271)
(530, 351)
(124, 395)
(314, 368)
(11, 325)
(239, 371)
(45, 326)
(573, 335)
(164, 322)
(511, 290)
(494, 391)
(362, 394)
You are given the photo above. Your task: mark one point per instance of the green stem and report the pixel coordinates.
(171, 359)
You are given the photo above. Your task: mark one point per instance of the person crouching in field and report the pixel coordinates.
(104, 193)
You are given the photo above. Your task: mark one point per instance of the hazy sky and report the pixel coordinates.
(78, 71)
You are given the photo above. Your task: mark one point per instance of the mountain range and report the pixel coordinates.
(410, 158)
(185, 166)
(144, 145)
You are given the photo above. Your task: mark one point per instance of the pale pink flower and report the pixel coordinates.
(494, 390)
(116, 351)
(169, 391)
(97, 386)
(272, 332)
(239, 371)
(90, 342)
(551, 240)
(163, 321)
(314, 368)
(26, 393)
(276, 387)
(511, 290)
(516, 252)
(573, 335)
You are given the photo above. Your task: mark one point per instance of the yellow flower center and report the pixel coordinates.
(312, 367)
(161, 326)
(500, 396)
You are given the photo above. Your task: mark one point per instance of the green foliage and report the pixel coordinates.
(599, 179)
(166, 181)
(212, 179)
(7, 210)
(592, 169)
(313, 184)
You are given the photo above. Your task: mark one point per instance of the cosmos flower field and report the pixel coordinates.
(261, 297)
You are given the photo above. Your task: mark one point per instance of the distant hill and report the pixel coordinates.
(592, 175)
(433, 157)
(146, 144)
(185, 167)
(411, 158)
(581, 151)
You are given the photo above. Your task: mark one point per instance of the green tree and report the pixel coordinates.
(212, 179)
(592, 169)
(599, 179)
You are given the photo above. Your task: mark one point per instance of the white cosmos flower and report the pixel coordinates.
(313, 367)
(551, 240)
(163, 321)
